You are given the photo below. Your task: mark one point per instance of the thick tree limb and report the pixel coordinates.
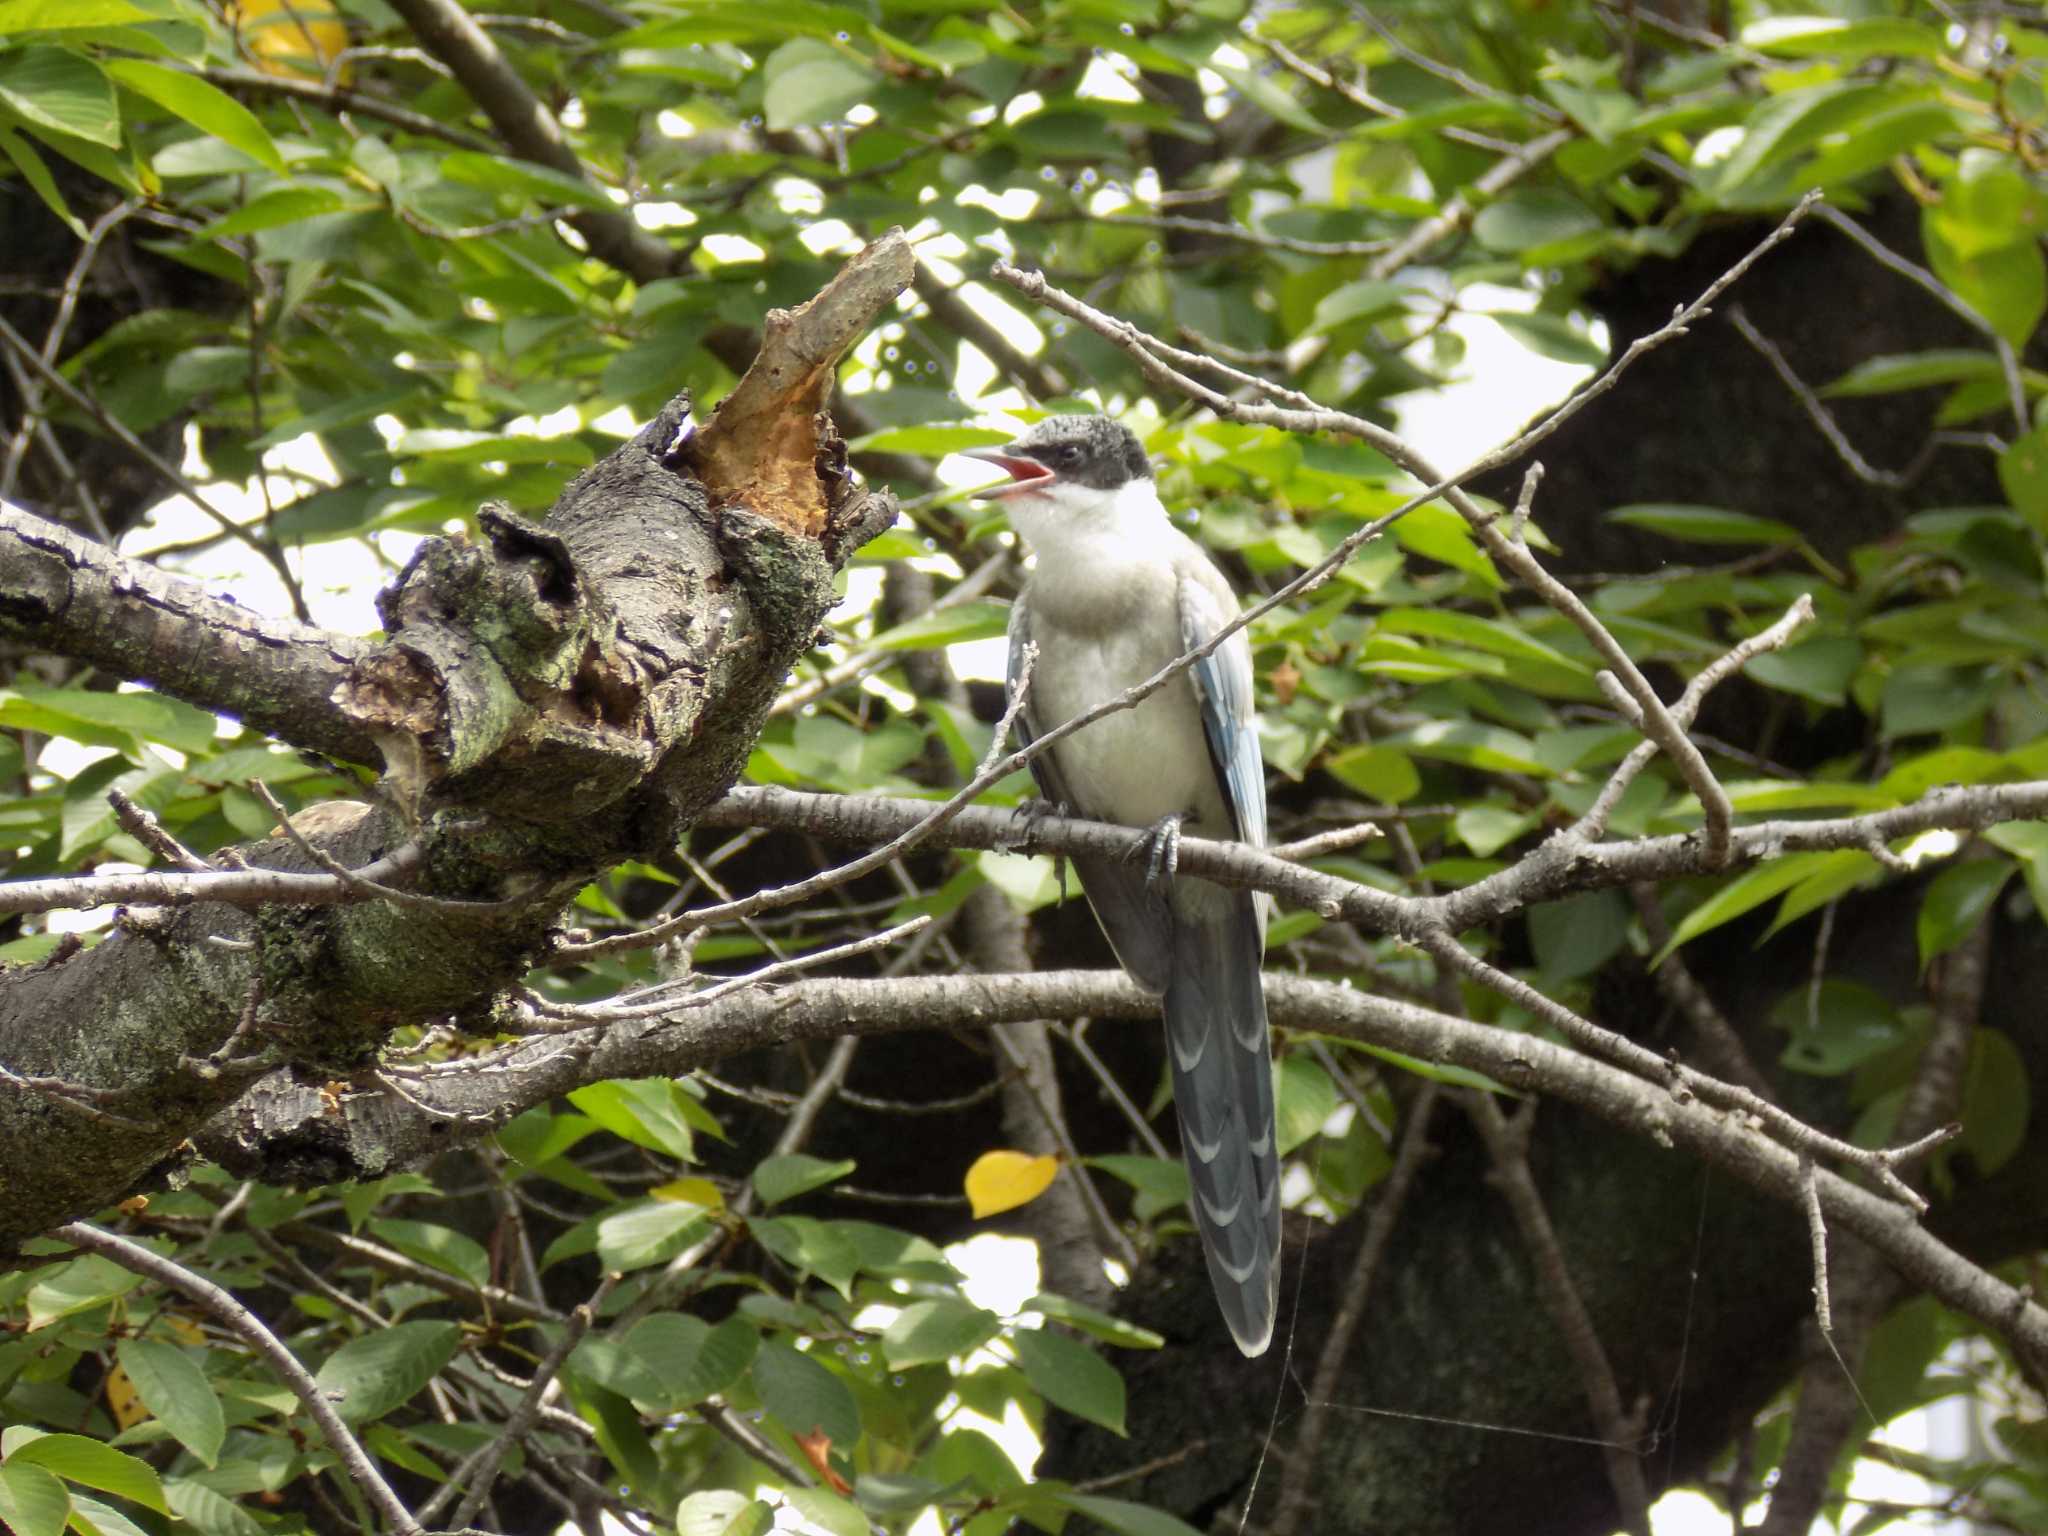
(63, 593)
(466, 1098)
(552, 699)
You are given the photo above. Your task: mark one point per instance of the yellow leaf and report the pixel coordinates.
(690, 1192)
(123, 1401)
(1002, 1181)
(291, 37)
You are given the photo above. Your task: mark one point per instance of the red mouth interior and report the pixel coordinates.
(1022, 471)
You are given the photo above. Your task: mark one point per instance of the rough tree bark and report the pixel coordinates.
(551, 699)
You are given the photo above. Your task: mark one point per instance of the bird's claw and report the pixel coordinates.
(1025, 818)
(1162, 851)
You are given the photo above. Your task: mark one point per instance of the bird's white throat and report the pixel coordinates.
(1073, 528)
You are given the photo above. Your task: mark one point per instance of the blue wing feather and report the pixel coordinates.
(1223, 685)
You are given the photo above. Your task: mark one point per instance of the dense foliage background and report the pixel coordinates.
(384, 261)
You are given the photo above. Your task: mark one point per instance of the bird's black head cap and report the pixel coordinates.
(1086, 450)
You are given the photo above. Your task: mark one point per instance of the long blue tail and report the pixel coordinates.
(1221, 1056)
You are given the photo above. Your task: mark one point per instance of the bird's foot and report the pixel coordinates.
(1162, 850)
(1025, 820)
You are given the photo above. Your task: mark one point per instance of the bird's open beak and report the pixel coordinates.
(1025, 474)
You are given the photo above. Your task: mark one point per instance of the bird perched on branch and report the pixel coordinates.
(1117, 594)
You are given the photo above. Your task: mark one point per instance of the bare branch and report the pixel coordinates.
(1298, 1478)
(1619, 1431)
(203, 1292)
(1885, 256)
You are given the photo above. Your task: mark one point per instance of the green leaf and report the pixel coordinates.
(1096, 1324)
(1746, 891)
(2023, 471)
(1956, 900)
(810, 81)
(206, 107)
(1356, 301)
(89, 1462)
(1161, 1182)
(77, 1287)
(37, 174)
(57, 89)
(1576, 936)
(2026, 841)
(1270, 97)
(1838, 873)
(1819, 669)
(178, 1393)
(1833, 37)
(1437, 533)
(694, 1365)
(1126, 1518)
(815, 1247)
(1486, 829)
(804, 1396)
(653, 1233)
(723, 1512)
(1919, 701)
(1489, 748)
(642, 1110)
(443, 1248)
(784, 1178)
(609, 1363)
(147, 716)
(32, 1502)
(2006, 284)
(1913, 370)
(371, 1375)
(1551, 336)
(1705, 525)
(944, 1328)
(941, 627)
(1836, 1029)
(208, 1511)
(1995, 1102)
(1304, 1097)
(1491, 635)
(1071, 1376)
(89, 1517)
(279, 206)
(523, 179)
(1526, 220)
(19, 16)
(928, 441)
(828, 1511)
(1378, 772)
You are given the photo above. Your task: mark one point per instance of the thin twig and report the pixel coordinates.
(480, 1469)
(1619, 1431)
(1299, 1475)
(121, 433)
(147, 830)
(1884, 255)
(1817, 1241)
(196, 1288)
(366, 887)
(1818, 413)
